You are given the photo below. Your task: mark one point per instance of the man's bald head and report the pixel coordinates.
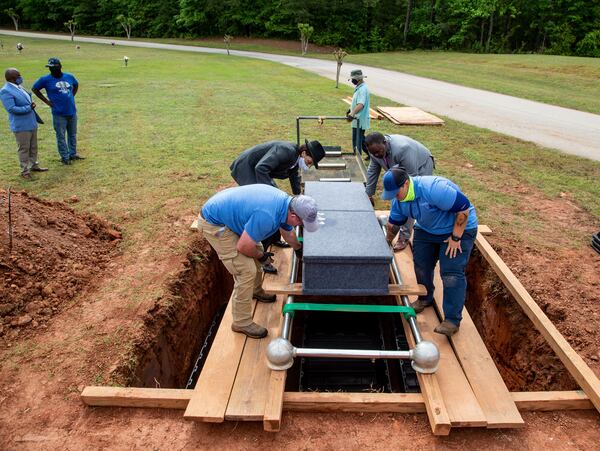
(11, 74)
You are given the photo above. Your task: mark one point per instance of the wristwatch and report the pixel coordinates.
(455, 238)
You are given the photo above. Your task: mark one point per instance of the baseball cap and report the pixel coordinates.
(392, 181)
(306, 209)
(53, 62)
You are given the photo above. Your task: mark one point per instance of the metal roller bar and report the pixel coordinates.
(287, 319)
(335, 179)
(332, 165)
(412, 322)
(352, 353)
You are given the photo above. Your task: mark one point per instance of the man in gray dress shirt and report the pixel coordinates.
(390, 150)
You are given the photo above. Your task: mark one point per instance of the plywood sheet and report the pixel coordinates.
(409, 115)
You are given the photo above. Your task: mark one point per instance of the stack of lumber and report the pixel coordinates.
(372, 113)
(409, 115)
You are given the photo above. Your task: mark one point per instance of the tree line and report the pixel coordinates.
(565, 27)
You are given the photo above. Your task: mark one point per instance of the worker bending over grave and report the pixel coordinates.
(390, 150)
(276, 160)
(445, 230)
(234, 222)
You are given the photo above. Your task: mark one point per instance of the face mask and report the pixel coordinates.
(55, 70)
(354, 82)
(303, 165)
(19, 81)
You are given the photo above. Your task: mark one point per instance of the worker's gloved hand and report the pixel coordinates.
(299, 252)
(349, 117)
(267, 257)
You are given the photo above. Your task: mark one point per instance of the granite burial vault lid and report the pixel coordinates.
(349, 236)
(339, 196)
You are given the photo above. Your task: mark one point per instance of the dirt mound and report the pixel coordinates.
(55, 253)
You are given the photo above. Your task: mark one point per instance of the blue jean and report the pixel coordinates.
(68, 125)
(358, 139)
(427, 250)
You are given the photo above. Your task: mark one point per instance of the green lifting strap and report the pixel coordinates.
(408, 312)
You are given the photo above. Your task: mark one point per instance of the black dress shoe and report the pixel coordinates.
(77, 157)
(38, 169)
(281, 243)
(269, 269)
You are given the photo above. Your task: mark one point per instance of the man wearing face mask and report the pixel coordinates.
(61, 89)
(359, 111)
(22, 120)
(276, 160)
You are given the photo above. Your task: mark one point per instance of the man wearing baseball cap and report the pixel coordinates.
(445, 230)
(234, 222)
(61, 89)
(276, 160)
(358, 113)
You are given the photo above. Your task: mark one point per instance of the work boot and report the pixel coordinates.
(38, 169)
(77, 157)
(446, 328)
(269, 268)
(252, 330)
(420, 305)
(264, 297)
(281, 244)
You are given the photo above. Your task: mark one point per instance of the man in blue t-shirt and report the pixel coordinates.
(61, 89)
(235, 221)
(445, 230)
(359, 113)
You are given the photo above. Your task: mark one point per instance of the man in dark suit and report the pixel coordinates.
(22, 120)
(276, 160)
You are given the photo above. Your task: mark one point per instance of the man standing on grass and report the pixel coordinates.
(61, 89)
(359, 111)
(396, 150)
(234, 222)
(22, 120)
(276, 160)
(445, 231)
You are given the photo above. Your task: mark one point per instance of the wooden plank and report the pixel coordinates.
(484, 230)
(353, 402)
(250, 390)
(479, 367)
(461, 403)
(580, 371)
(194, 225)
(172, 398)
(546, 401)
(389, 117)
(273, 408)
(409, 116)
(295, 289)
(212, 391)
(161, 398)
(251, 387)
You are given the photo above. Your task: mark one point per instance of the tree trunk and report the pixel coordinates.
(16, 22)
(487, 45)
(409, 6)
(481, 34)
(337, 74)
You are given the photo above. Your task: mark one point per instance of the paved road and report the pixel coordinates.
(570, 131)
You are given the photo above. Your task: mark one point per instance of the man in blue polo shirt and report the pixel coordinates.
(61, 89)
(234, 222)
(445, 231)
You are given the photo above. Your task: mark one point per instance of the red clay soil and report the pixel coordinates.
(55, 253)
(43, 370)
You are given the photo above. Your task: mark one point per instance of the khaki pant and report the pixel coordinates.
(246, 271)
(27, 148)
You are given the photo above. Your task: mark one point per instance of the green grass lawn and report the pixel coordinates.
(160, 135)
(570, 82)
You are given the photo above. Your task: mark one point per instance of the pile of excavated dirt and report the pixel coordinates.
(55, 253)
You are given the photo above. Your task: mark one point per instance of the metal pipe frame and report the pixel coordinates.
(352, 353)
(288, 318)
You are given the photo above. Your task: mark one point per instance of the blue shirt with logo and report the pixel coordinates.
(434, 197)
(260, 210)
(361, 95)
(60, 92)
